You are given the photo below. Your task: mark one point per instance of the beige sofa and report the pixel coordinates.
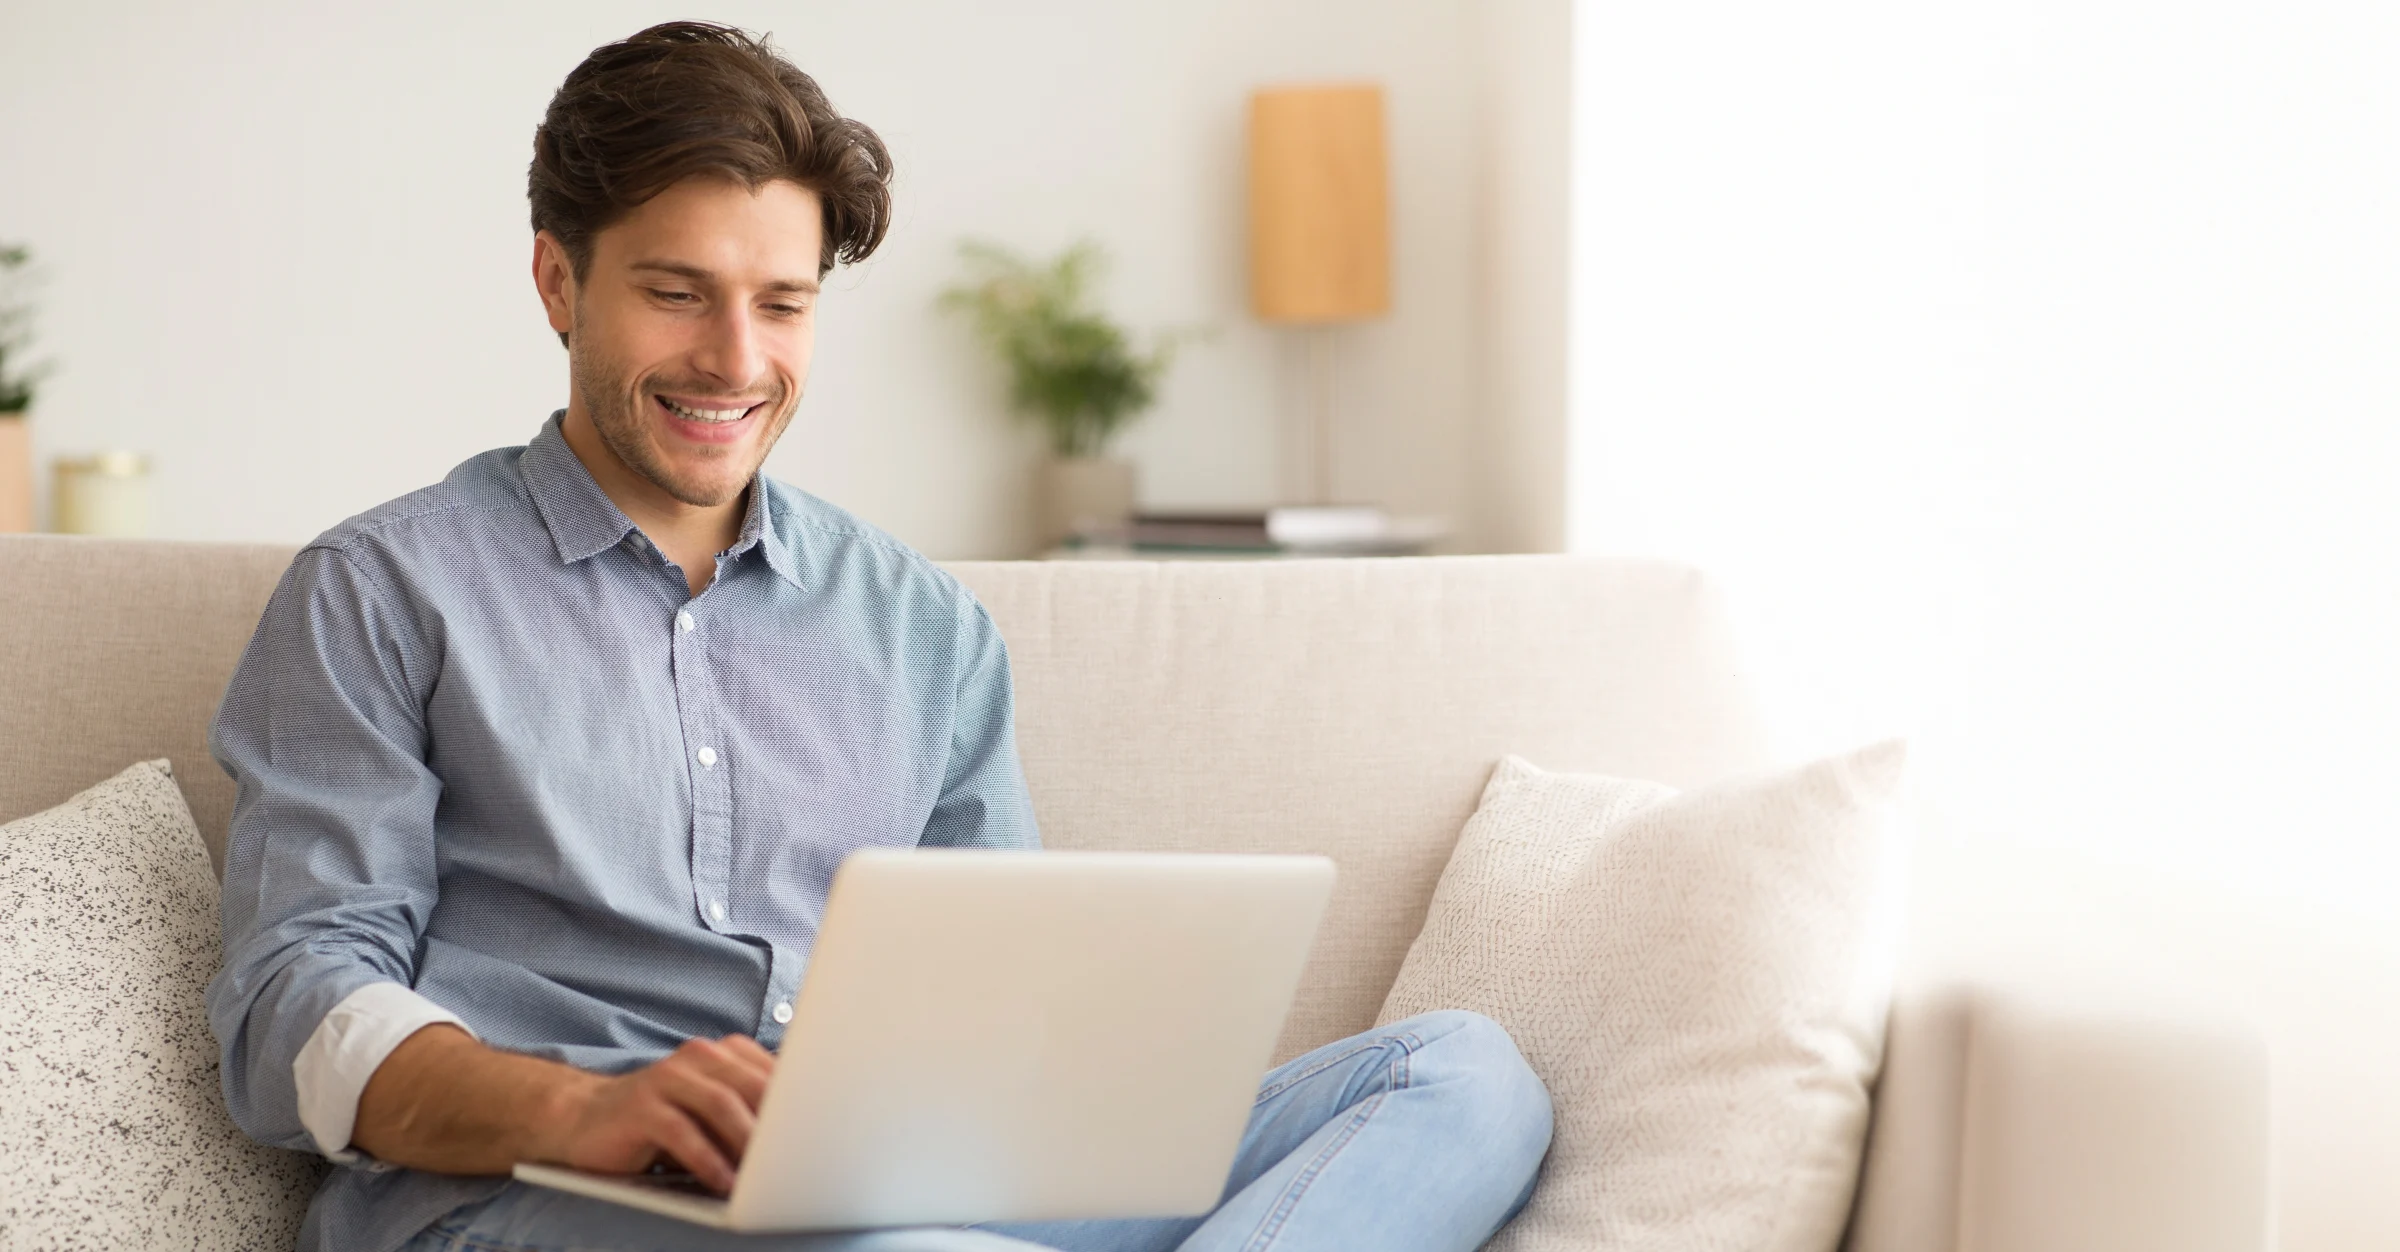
(1351, 708)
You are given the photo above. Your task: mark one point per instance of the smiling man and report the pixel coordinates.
(697, 316)
(545, 770)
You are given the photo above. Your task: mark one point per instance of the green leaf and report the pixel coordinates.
(1070, 367)
(17, 381)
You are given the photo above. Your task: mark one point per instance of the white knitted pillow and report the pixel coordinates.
(1700, 978)
(113, 1130)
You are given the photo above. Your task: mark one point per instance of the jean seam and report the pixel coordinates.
(1408, 1042)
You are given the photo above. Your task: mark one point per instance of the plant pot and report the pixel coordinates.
(16, 472)
(1085, 497)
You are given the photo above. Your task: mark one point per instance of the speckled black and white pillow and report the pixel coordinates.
(113, 1130)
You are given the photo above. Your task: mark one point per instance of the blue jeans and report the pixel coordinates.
(1423, 1136)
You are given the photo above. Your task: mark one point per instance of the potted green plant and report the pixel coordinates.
(17, 384)
(1071, 369)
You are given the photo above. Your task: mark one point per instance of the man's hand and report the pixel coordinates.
(697, 1105)
(443, 1101)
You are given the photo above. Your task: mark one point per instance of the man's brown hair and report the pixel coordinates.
(690, 98)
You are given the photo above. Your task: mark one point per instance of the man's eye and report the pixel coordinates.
(787, 310)
(674, 297)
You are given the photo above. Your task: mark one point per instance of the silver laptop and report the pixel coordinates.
(1016, 1036)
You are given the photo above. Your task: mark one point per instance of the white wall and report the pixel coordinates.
(2028, 374)
(1520, 445)
(287, 242)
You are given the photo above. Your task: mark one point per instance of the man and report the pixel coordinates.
(545, 770)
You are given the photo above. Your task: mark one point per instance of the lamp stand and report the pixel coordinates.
(1320, 414)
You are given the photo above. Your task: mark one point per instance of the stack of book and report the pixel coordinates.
(1316, 530)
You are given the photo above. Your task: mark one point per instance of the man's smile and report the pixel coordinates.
(711, 421)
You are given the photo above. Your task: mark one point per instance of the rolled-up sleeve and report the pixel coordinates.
(330, 870)
(983, 802)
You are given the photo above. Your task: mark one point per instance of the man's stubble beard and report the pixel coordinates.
(613, 403)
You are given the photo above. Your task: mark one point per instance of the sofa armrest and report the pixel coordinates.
(2009, 1122)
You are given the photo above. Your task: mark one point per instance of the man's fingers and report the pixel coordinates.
(749, 1050)
(717, 1105)
(697, 1105)
(673, 1130)
(730, 1064)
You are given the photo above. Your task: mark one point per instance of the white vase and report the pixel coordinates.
(1089, 497)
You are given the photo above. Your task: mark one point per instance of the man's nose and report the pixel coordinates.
(730, 351)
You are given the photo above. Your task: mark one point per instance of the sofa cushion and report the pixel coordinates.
(1700, 977)
(113, 1129)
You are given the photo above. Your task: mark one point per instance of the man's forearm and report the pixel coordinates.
(445, 1102)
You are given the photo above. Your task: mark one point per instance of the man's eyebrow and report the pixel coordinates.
(804, 286)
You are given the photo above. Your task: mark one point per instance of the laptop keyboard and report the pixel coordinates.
(676, 1181)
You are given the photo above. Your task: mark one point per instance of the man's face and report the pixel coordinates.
(690, 334)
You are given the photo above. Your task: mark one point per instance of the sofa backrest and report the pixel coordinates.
(1351, 708)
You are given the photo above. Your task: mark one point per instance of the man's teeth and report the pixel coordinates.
(704, 415)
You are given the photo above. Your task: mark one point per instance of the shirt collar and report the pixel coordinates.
(583, 521)
(581, 517)
(759, 531)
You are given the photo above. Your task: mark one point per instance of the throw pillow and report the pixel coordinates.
(113, 1129)
(1700, 977)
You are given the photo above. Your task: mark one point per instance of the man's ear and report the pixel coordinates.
(554, 280)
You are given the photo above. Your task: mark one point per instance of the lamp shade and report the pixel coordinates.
(1320, 230)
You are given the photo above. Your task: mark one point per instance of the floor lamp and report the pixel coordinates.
(1320, 230)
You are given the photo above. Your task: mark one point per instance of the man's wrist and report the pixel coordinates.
(555, 1110)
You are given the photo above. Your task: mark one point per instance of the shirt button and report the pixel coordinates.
(716, 910)
(684, 622)
(783, 1013)
(708, 757)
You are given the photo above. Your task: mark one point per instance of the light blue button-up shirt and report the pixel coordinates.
(490, 747)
